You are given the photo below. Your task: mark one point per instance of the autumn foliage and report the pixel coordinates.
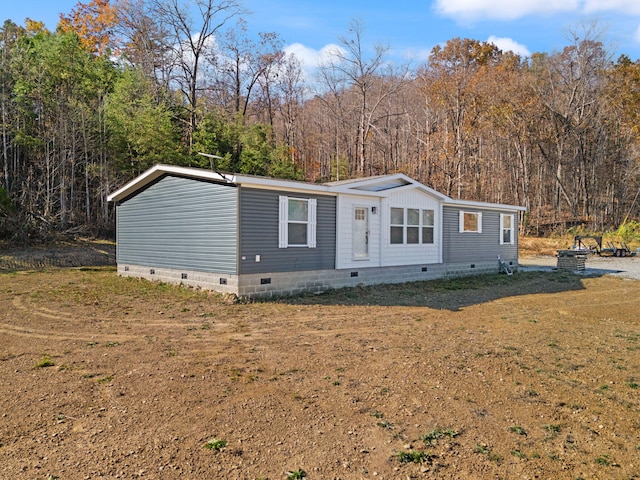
(93, 22)
(122, 85)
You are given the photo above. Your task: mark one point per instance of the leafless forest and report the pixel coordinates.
(123, 84)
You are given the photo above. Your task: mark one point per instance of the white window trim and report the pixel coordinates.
(461, 223)
(512, 235)
(398, 225)
(283, 217)
(423, 226)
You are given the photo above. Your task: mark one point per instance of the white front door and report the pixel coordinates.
(361, 232)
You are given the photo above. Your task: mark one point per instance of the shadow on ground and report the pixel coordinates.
(538, 276)
(448, 294)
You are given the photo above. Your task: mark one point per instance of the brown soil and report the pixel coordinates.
(72, 254)
(530, 376)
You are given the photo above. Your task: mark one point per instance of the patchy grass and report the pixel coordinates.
(141, 386)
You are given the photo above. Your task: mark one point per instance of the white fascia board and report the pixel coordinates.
(494, 206)
(201, 174)
(352, 188)
(374, 180)
(341, 190)
(156, 171)
(275, 184)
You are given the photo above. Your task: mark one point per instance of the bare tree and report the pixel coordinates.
(240, 65)
(349, 67)
(570, 87)
(143, 42)
(291, 90)
(190, 37)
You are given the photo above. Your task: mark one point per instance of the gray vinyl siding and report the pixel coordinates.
(180, 223)
(475, 247)
(259, 212)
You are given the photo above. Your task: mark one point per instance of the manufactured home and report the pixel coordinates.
(255, 236)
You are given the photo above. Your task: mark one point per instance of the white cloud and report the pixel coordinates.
(311, 58)
(507, 44)
(636, 36)
(629, 7)
(468, 10)
(503, 9)
(414, 54)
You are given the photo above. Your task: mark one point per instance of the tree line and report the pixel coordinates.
(121, 85)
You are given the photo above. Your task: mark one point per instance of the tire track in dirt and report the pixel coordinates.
(29, 332)
(43, 312)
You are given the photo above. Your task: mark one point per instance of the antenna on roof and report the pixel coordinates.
(213, 164)
(212, 160)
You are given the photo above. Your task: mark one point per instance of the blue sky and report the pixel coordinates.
(412, 27)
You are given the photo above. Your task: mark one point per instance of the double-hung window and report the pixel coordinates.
(507, 229)
(470, 222)
(411, 226)
(428, 219)
(397, 225)
(297, 226)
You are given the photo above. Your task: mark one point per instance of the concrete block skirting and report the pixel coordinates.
(219, 282)
(314, 281)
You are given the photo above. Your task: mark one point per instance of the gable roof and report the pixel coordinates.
(160, 170)
(377, 186)
(383, 185)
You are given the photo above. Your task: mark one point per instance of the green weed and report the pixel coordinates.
(215, 444)
(485, 450)
(415, 456)
(436, 434)
(481, 448)
(518, 453)
(44, 362)
(296, 474)
(552, 428)
(385, 424)
(518, 429)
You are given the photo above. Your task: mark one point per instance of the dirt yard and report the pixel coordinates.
(535, 375)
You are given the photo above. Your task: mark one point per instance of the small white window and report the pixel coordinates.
(470, 222)
(297, 222)
(507, 230)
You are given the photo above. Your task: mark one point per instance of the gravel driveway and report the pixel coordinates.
(626, 267)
